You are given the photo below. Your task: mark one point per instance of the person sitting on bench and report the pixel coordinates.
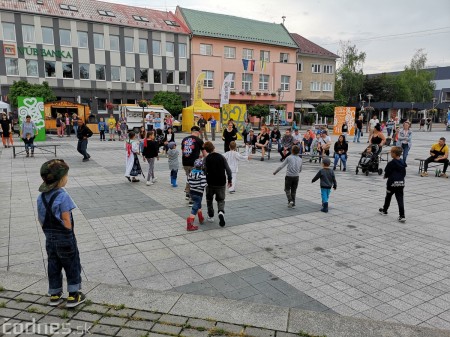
(250, 141)
(439, 154)
(27, 132)
(324, 144)
(286, 144)
(262, 141)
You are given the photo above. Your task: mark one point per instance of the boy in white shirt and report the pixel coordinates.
(233, 157)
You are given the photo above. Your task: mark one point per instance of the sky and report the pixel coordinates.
(388, 31)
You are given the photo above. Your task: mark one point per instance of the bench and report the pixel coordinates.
(430, 165)
(242, 146)
(43, 149)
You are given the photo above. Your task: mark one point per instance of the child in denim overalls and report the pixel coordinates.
(55, 215)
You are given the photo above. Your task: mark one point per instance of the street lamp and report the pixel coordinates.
(432, 114)
(280, 97)
(142, 89)
(369, 96)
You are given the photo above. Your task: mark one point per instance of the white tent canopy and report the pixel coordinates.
(4, 105)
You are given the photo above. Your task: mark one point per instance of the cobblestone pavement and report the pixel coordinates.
(351, 261)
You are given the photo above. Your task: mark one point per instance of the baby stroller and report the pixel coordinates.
(369, 161)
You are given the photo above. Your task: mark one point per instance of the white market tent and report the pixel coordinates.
(6, 106)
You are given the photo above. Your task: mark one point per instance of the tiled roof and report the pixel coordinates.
(236, 28)
(88, 10)
(308, 47)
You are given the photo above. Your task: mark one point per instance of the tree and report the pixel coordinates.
(326, 109)
(171, 101)
(350, 77)
(23, 88)
(259, 111)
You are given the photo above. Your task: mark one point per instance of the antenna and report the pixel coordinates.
(284, 18)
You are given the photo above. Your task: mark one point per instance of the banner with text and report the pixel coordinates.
(226, 87)
(344, 114)
(33, 107)
(198, 90)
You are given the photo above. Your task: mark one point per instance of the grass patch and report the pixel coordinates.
(18, 299)
(216, 331)
(2, 304)
(116, 307)
(64, 314)
(1, 288)
(88, 302)
(33, 310)
(305, 334)
(200, 328)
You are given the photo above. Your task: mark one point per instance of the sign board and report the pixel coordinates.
(237, 112)
(344, 114)
(33, 107)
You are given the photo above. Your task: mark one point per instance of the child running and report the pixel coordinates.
(294, 167)
(197, 183)
(149, 153)
(327, 180)
(232, 158)
(55, 215)
(172, 155)
(395, 173)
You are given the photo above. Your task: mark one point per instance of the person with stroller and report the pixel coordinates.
(285, 145)
(377, 138)
(340, 152)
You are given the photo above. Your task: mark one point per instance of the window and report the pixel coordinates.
(205, 49)
(230, 52)
(50, 70)
(32, 68)
(28, 33)
(68, 7)
(47, 35)
(169, 77)
(232, 84)
(169, 49)
(100, 72)
(327, 86)
(156, 46)
(285, 82)
(143, 46)
(64, 37)
(140, 18)
(315, 86)
(182, 77)
(114, 42)
(67, 69)
(327, 69)
(284, 57)
(82, 39)
(106, 13)
(99, 42)
(171, 23)
(209, 79)
(298, 85)
(247, 81)
(12, 67)
(9, 32)
(299, 66)
(101, 104)
(247, 54)
(182, 50)
(157, 76)
(84, 71)
(143, 75)
(264, 55)
(130, 73)
(315, 68)
(115, 74)
(129, 48)
(263, 82)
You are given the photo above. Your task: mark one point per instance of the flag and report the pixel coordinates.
(225, 95)
(252, 65)
(245, 63)
(262, 65)
(198, 90)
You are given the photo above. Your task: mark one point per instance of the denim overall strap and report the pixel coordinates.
(51, 220)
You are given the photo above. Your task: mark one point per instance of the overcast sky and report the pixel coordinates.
(388, 31)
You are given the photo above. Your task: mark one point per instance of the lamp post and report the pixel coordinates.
(433, 104)
(280, 97)
(369, 96)
(142, 89)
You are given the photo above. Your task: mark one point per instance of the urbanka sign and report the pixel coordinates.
(44, 52)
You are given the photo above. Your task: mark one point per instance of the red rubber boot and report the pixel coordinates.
(190, 225)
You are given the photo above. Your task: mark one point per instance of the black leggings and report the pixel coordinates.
(398, 191)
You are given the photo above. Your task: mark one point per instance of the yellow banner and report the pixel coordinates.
(344, 114)
(198, 90)
(236, 112)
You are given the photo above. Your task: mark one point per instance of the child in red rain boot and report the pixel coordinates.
(197, 183)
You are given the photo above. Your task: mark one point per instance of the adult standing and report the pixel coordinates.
(149, 121)
(247, 128)
(202, 125)
(358, 131)
(132, 165)
(213, 124)
(374, 121)
(83, 134)
(191, 146)
(344, 129)
(28, 128)
(112, 128)
(60, 125)
(404, 139)
(169, 137)
(428, 124)
(215, 168)
(75, 123)
(340, 152)
(6, 129)
(390, 126)
(438, 153)
(228, 135)
(68, 123)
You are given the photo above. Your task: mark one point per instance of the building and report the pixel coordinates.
(92, 51)
(316, 74)
(261, 56)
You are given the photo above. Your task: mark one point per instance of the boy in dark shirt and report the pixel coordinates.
(149, 153)
(215, 167)
(327, 180)
(83, 133)
(395, 173)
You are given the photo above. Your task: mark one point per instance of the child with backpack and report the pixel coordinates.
(197, 183)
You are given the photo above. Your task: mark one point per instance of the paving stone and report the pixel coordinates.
(166, 329)
(257, 332)
(87, 316)
(6, 312)
(147, 315)
(124, 332)
(233, 328)
(104, 329)
(201, 323)
(194, 333)
(113, 321)
(141, 325)
(171, 319)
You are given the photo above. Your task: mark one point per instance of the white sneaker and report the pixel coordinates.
(210, 219)
(154, 180)
(149, 183)
(290, 204)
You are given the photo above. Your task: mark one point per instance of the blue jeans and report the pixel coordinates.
(62, 252)
(82, 148)
(357, 135)
(197, 199)
(389, 131)
(405, 148)
(342, 157)
(75, 129)
(325, 192)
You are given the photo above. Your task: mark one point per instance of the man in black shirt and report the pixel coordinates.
(83, 134)
(215, 167)
(202, 124)
(191, 146)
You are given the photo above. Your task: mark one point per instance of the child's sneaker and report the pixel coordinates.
(401, 219)
(149, 182)
(382, 211)
(210, 219)
(75, 299)
(187, 197)
(221, 219)
(56, 300)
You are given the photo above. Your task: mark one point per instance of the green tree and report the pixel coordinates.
(23, 88)
(259, 111)
(349, 75)
(171, 101)
(326, 109)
